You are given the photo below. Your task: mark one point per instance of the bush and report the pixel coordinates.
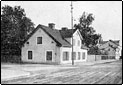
(11, 58)
(94, 50)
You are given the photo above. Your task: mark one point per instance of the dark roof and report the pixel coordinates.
(53, 33)
(67, 33)
(103, 42)
(114, 41)
(108, 46)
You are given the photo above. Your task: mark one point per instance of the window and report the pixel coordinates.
(74, 55)
(49, 55)
(39, 40)
(73, 42)
(65, 56)
(78, 42)
(29, 54)
(78, 55)
(83, 55)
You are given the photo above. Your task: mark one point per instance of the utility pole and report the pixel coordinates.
(72, 31)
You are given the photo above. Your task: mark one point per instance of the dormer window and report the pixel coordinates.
(39, 40)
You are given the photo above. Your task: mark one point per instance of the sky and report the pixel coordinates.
(108, 14)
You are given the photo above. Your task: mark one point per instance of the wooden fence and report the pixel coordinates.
(99, 57)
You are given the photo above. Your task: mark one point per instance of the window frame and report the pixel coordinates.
(66, 56)
(83, 53)
(31, 55)
(38, 41)
(46, 55)
(79, 55)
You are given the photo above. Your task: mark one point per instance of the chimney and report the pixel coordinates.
(51, 25)
(64, 28)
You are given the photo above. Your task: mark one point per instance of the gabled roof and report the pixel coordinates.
(107, 47)
(53, 33)
(103, 42)
(114, 41)
(67, 33)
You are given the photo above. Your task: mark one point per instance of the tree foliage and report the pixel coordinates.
(90, 38)
(94, 50)
(15, 27)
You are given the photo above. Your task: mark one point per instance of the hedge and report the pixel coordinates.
(11, 58)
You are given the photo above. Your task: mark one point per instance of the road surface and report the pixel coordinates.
(106, 73)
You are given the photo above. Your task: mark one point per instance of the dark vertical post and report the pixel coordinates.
(72, 31)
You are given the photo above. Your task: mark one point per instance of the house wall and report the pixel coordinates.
(65, 49)
(39, 50)
(118, 53)
(120, 50)
(57, 57)
(111, 51)
(76, 49)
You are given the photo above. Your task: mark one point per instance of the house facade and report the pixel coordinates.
(110, 48)
(49, 45)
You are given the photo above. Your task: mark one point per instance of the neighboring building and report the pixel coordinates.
(111, 48)
(49, 45)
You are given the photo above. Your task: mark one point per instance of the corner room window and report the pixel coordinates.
(65, 56)
(49, 55)
(78, 55)
(39, 40)
(29, 54)
(83, 55)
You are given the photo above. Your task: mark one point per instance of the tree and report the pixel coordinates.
(94, 50)
(90, 38)
(15, 27)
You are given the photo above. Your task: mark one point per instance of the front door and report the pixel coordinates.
(49, 55)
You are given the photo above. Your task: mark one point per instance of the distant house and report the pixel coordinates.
(49, 45)
(110, 47)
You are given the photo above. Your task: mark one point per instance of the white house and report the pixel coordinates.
(48, 45)
(111, 47)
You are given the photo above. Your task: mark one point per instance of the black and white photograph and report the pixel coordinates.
(61, 42)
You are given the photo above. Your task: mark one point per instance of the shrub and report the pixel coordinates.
(11, 58)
